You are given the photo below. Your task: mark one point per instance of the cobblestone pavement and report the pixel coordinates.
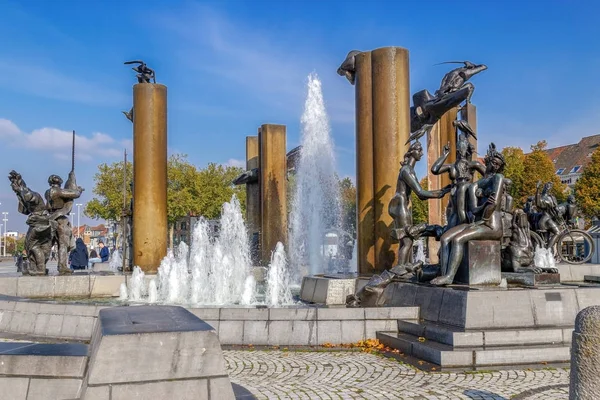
(351, 375)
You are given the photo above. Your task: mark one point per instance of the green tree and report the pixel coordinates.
(108, 190)
(539, 167)
(420, 208)
(587, 188)
(515, 170)
(348, 205)
(214, 188)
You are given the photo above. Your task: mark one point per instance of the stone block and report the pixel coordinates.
(523, 337)
(54, 389)
(453, 307)
(27, 306)
(106, 285)
(154, 352)
(180, 390)
(304, 333)
(72, 286)
(329, 332)
(531, 279)
(77, 327)
(214, 325)
(340, 313)
(392, 313)
(219, 388)
(5, 318)
(7, 305)
(554, 307)
(429, 299)
(42, 365)
(521, 355)
(499, 309)
(35, 286)
(8, 286)
(49, 308)
(256, 332)
(102, 267)
(97, 393)
(298, 314)
(14, 388)
(403, 295)
(281, 333)
(591, 278)
(327, 290)
(231, 332)
(81, 310)
(564, 270)
(480, 264)
(48, 325)
(372, 326)
(586, 297)
(244, 314)
(578, 272)
(22, 322)
(352, 331)
(206, 313)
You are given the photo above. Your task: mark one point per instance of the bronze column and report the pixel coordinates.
(365, 210)
(149, 175)
(391, 129)
(273, 188)
(252, 189)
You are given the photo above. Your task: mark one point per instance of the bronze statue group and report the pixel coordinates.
(481, 209)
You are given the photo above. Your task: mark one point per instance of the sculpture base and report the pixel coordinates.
(481, 264)
(329, 289)
(531, 279)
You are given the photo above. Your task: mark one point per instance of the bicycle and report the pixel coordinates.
(571, 245)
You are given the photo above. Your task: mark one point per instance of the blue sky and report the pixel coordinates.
(232, 66)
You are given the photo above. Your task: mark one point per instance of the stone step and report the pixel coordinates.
(445, 355)
(460, 337)
(61, 360)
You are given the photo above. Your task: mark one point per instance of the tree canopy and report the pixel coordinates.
(348, 200)
(587, 187)
(420, 208)
(190, 190)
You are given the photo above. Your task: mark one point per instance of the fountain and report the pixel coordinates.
(420, 256)
(278, 279)
(316, 203)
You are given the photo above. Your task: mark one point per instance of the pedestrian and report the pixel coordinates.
(103, 255)
(93, 253)
(79, 257)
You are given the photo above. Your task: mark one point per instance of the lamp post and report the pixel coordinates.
(78, 217)
(1, 241)
(71, 215)
(5, 219)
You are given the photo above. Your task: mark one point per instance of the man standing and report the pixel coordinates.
(60, 204)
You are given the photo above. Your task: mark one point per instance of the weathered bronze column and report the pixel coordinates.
(365, 210)
(252, 189)
(273, 188)
(149, 175)
(391, 129)
(442, 133)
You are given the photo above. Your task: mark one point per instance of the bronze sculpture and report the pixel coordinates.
(485, 203)
(60, 204)
(144, 74)
(348, 67)
(38, 241)
(460, 173)
(400, 209)
(454, 89)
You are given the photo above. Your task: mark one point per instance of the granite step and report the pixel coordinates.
(460, 337)
(446, 355)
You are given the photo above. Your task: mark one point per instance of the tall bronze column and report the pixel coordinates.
(391, 129)
(273, 188)
(382, 129)
(149, 175)
(365, 210)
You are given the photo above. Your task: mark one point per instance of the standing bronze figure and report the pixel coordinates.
(144, 74)
(485, 200)
(38, 241)
(400, 208)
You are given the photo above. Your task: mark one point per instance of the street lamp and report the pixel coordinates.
(71, 215)
(78, 216)
(5, 219)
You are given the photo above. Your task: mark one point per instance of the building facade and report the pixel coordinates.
(570, 160)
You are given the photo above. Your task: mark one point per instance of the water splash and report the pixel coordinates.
(420, 256)
(137, 288)
(278, 279)
(115, 261)
(152, 292)
(123, 295)
(316, 204)
(543, 258)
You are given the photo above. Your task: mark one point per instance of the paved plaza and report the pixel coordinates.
(276, 374)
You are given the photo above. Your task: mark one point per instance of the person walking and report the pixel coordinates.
(79, 256)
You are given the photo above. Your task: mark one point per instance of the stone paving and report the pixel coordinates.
(276, 374)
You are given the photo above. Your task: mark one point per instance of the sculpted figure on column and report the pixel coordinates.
(485, 203)
(60, 204)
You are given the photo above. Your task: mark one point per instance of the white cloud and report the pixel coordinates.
(59, 142)
(232, 162)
